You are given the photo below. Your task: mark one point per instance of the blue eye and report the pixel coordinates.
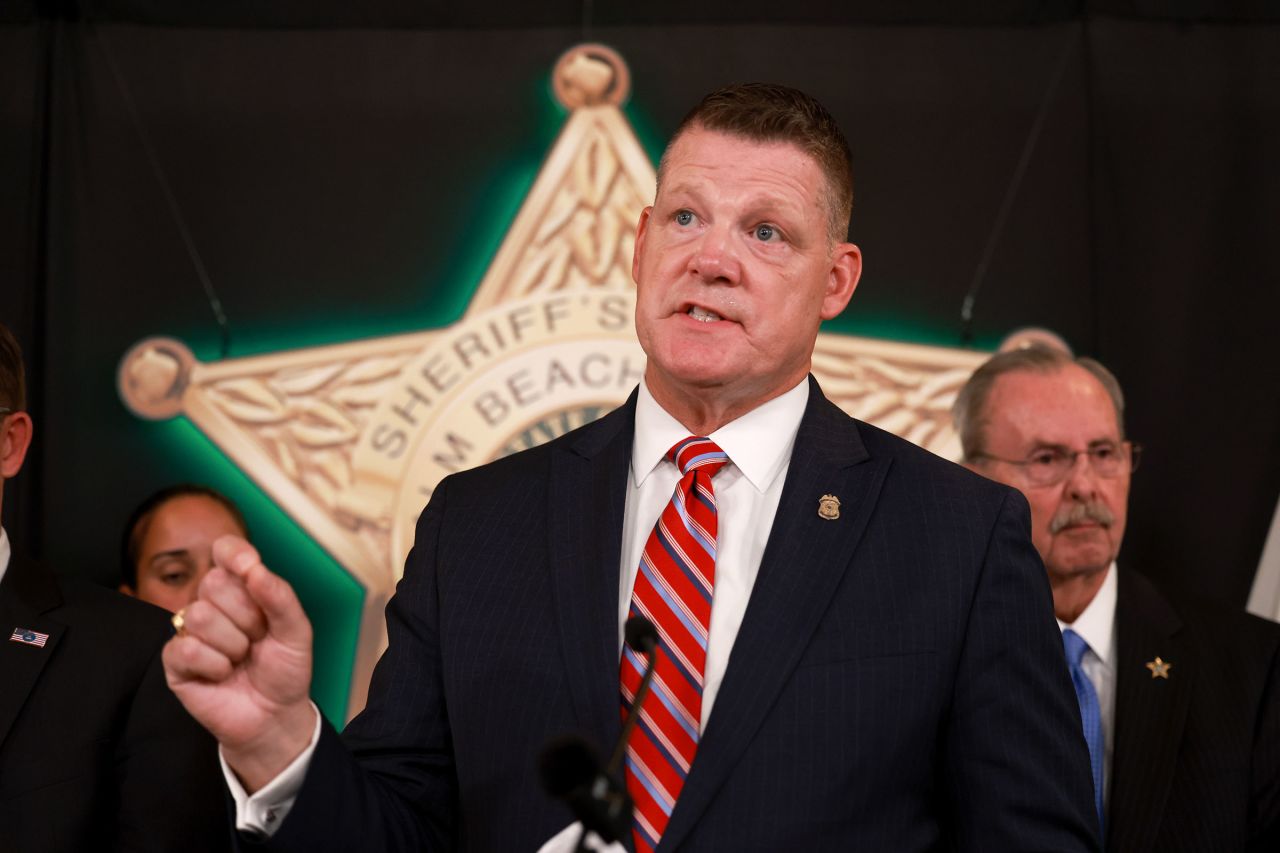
(765, 233)
(683, 218)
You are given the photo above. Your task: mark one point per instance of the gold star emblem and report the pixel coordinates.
(351, 439)
(1159, 668)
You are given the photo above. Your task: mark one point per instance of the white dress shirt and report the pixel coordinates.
(748, 489)
(747, 492)
(1096, 625)
(4, 552)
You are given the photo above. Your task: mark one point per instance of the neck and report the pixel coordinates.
(702, 411)
(1072, 594)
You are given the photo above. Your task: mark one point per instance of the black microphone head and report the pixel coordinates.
(567, 763)
(641, 635)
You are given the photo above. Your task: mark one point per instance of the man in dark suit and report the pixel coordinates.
(879, 670)
(1186, 694)
(95, 752)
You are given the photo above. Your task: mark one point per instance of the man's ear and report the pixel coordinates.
(642, 228)
(127, 590)
(842, 280)
(15, 438)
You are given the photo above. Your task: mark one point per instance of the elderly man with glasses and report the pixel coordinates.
(1179, 699)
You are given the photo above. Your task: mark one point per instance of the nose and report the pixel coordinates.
(715, 258)
(1082, 481)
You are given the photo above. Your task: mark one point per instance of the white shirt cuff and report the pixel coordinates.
(262, 813)
(566, 841)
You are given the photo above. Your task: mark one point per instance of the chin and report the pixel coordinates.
(699, 369)
(1082, 565)
(700, 379)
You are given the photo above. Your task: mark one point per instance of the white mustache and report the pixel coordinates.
(1078, 513)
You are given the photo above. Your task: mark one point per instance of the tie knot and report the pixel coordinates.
(1074, 645)
(695, 453)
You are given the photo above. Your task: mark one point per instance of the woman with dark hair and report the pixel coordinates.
(168, 543)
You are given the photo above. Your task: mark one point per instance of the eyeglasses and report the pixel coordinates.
(5, 410)
(1049, 466)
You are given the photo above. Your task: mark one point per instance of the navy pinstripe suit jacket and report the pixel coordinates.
(898, 682)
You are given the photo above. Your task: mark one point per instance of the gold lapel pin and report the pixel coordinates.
(1159, 668)
(829, 507)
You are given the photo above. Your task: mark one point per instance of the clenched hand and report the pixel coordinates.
(242, 664)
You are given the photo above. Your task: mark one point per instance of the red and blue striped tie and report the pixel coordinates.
(673, 589)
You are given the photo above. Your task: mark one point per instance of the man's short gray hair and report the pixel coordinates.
(969, 413)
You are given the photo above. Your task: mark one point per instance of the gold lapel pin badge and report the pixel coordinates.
(1159, 668)
(829, 507)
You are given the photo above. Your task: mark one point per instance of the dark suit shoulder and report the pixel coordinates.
(108, 625)
(101, 619)
(1226, 630)
(113, 608)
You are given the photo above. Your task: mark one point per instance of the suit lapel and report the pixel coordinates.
(1150, 713)
(803, 563)
(27, 594)
(588, 484)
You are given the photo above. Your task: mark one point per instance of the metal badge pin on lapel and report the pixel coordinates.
(1159, 668)
(28, 637)
(829, 507)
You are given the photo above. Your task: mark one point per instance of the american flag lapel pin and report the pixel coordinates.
(28, 637)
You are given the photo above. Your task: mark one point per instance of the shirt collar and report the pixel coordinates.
(1096, 623)
(758, 443)
(4, 552)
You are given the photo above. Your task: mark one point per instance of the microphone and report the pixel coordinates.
(643, 637)
(571, 770)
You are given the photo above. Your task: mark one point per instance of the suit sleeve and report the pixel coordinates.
(388, 783)
(1017, 767)
(170, 792)
(1264, 810)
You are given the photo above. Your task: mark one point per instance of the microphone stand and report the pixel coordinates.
(604, 789)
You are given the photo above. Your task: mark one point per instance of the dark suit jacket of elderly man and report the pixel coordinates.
(1196, 764)
(898, 682)
(95, 752)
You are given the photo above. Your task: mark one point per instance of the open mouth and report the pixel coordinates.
(702, 315)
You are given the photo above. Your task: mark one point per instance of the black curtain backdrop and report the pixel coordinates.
(345, 172)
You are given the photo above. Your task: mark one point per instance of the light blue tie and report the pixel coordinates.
(1090, 713)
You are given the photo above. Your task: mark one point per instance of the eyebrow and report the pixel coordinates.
(1056, 445)
(176, 552)
(754, 203)
(763, 206)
